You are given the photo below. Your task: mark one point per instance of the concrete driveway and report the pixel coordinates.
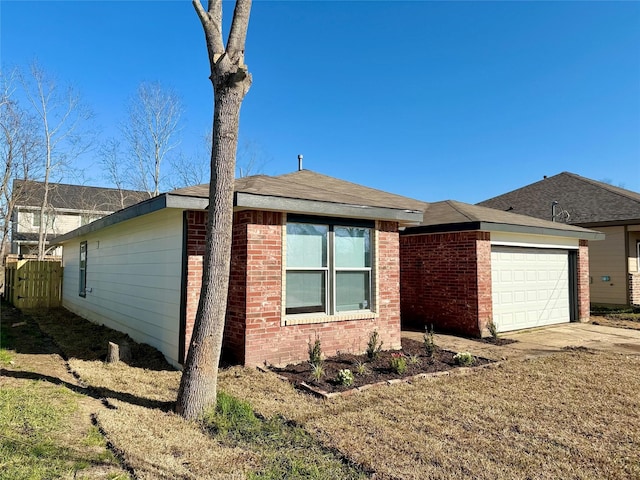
(544, 341)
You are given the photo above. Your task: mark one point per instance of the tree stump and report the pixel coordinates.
(118, 352)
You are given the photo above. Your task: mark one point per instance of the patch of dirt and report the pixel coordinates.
(630, 321)
(499, 342)
(378, 370)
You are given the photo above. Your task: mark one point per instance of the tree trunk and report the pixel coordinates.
(231, 82)
(198, 387)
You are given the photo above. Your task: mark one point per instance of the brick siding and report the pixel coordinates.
(446, 281)
(254, 331)
(584, 306)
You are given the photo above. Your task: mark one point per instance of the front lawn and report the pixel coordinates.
(570, 415)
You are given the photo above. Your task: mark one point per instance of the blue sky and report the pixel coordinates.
(433, 100)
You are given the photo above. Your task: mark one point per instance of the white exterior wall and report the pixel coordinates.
(134, 275)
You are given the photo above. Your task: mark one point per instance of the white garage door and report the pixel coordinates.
(530, 287)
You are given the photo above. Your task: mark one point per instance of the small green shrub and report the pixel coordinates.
(315, 352)
(374, 346)
(493, 329)
(464, 359)
(398, 363)
(345, 377)
(429, 342)
(362, 368)
(317, 371)
(414, 359)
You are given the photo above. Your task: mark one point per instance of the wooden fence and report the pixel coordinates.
(33, 283)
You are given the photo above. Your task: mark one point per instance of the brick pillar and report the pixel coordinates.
(485, 293)
(196, 238)
(584, 305)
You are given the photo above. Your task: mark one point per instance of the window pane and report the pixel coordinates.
(306, 292)
(306, 245)
(352, 291)
(353, 247)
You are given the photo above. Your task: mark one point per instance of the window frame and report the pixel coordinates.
(82, 286)
(331, 308)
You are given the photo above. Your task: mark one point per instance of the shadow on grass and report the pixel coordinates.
(99, 393)
(62, 332)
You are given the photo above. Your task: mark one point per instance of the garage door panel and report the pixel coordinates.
(530, 287)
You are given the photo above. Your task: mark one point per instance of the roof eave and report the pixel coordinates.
(137, 210)
(609, 223)
(583, 234)
(504, 227)
(245, 201)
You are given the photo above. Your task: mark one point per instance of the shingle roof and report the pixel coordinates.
(587, 201)
(309, 185)
(450, 215)
(75, 197)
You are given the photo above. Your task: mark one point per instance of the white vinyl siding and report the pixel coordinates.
(134, 275)
(530, 287)
(607, 259)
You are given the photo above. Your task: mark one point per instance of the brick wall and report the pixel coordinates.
(584, 305)
(254, 333)
(446, 281)
(196, 235)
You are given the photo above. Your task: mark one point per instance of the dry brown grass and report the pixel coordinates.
(571, 415)
(162, 445)
(629, 320)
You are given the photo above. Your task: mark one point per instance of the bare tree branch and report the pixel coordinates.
(212, 24)
(239, 26)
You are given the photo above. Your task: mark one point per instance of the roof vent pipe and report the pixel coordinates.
(300, 162)
(554, 204)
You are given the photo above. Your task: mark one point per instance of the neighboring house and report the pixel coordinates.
(570, 198)
(68, 207)
(467, 265)
(312, 256)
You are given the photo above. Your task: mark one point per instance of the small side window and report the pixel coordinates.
(83, 269)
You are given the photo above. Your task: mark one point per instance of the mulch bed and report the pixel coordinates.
(378, 370)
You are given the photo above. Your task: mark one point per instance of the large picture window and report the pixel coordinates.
(328, 267)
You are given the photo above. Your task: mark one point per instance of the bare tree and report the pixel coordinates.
(113, 164)
(61, 116)
(18, 151)
(195, 169)
(152, 132)
(251, 159)
(231, 82)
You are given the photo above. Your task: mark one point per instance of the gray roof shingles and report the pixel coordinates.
(450, 213)
(588, 202)
(75, 197)
(309, 185)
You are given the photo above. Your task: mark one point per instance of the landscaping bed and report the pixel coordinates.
(368, 371)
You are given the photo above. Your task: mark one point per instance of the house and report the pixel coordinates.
(68, 207)
(576, 200)
(467, 265)
(312, 256)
